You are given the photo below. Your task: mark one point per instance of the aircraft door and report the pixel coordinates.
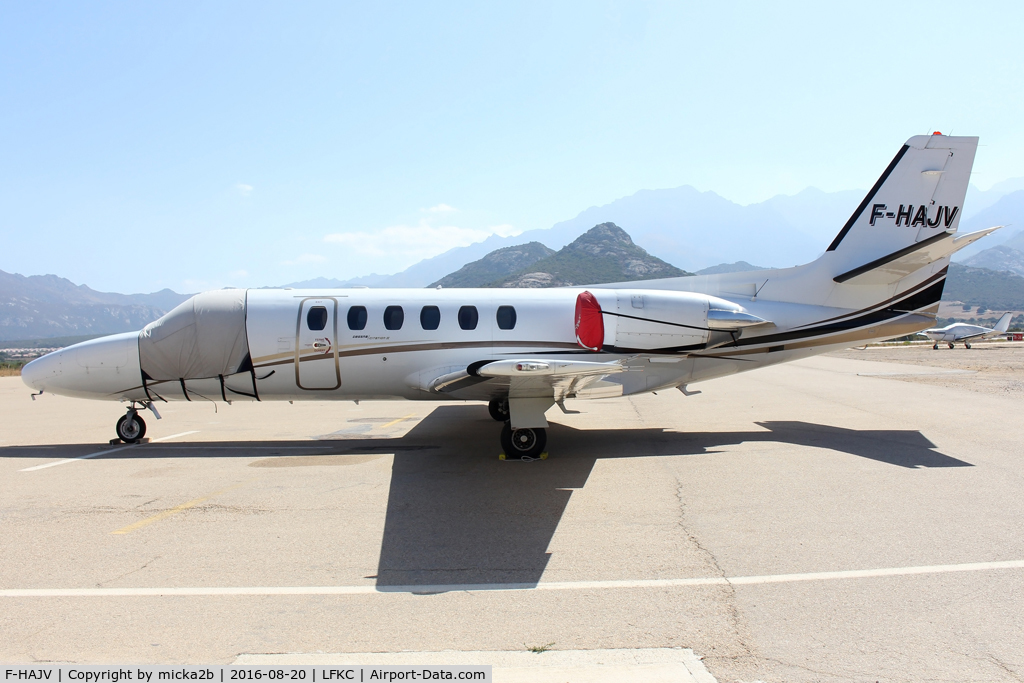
(316, 345)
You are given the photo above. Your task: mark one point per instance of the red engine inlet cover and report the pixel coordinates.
(589, 322)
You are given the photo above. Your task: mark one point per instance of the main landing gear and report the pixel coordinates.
(935, 346)
(522, 444)
(518, 444)
(499, 410)
(967, 345)
(131, 427)
(951, 345)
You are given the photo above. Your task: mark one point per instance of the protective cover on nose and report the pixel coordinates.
(203, 337)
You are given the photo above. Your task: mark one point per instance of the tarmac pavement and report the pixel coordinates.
(734, 523)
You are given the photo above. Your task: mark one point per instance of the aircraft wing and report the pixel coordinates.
(975, 335)
(523, 378)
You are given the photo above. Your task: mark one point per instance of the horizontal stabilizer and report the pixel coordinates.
(900, 264)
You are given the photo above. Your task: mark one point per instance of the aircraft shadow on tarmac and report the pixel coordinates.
(456, 518)
(456, 514)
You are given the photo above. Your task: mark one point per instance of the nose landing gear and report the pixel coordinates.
(131, 427)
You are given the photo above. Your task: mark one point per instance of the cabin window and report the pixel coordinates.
(394, 316)
(316, 319)
(357, 318)
(468, 317)
(430, 317)
(506, 317)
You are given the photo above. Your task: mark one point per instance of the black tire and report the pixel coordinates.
(520, 444)
(951, 345)
(935, 346)
(498, 410)
(131, 431)
(967, 346)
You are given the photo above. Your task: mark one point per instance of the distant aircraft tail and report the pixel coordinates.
(1004, 323)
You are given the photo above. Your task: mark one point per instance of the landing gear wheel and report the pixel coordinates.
(967, 346)
(498, 410)
(520, 444)
(131, 428)
(951, 345)
(935, 346)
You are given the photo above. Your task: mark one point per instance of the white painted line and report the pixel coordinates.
(369, 589)
(174, 436)
(81, 457)
(921, 373)
(109, 450)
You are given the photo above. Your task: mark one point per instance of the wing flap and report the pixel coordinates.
(524, 378)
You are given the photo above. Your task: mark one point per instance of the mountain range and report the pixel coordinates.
(41, 306)
(695, 230)
(688, 228)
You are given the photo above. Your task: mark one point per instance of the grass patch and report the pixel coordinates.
(10, 371)
(537, 649)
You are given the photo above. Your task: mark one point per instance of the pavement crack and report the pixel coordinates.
(103, 584)
(1005, 667)
(735, 618)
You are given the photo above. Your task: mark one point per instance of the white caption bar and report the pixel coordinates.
(364, 673)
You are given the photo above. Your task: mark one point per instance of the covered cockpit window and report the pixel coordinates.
(203, 337)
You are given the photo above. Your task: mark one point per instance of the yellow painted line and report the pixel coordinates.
(175, 510)
(394, 422)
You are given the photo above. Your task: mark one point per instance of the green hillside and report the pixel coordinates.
(496, 265)
(995, 290)
(605, 253)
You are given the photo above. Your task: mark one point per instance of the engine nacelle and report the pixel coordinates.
(658, 321)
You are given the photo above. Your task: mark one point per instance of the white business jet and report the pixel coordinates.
(526, 350)
(962, 332)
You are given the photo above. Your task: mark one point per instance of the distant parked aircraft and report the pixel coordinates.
(962, 332)
(526, 350)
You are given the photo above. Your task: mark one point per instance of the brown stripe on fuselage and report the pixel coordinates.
(433, 346)
(873, 307)
(907, 323)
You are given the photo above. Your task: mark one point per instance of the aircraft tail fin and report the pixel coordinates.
(918, 197)
(1004, 323)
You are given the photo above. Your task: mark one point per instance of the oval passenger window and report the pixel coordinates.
(430, 317)
(506, 317)
(468, 317)
(394, 316)
(357, 318)
(316, 319)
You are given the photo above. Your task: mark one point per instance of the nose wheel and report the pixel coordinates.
(131, 427)
(523, 444)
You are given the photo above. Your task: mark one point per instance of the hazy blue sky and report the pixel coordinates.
(196, 145)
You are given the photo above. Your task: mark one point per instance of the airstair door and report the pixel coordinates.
(316, 345)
